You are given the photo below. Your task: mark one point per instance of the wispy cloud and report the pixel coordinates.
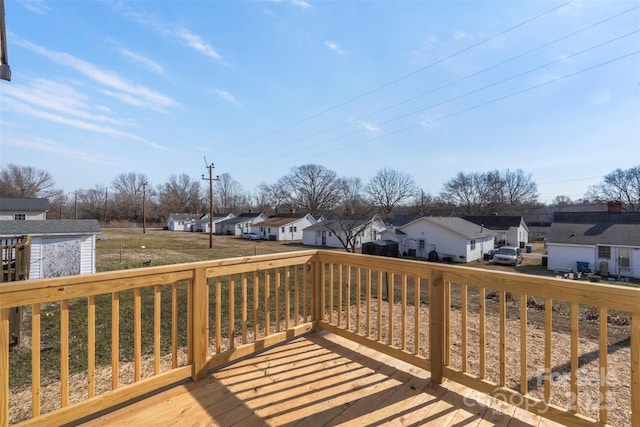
(176, 31)
(141, 59)
(62, 98)
(23, 108)
(459, 35)
(365, 125)
(38, 6)
(60, 150)
(226, 96)
(334, 47)
(147, 98)
(301, 3)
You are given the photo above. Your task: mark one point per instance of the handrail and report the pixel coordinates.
(176, 322)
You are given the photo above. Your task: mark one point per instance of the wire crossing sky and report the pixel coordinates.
(430, 88)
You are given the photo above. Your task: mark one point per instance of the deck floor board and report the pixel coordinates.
(316, 380)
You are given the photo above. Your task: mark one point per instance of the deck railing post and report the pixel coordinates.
(200, 324)
(4, 367)
(437, 332)
(316, 291)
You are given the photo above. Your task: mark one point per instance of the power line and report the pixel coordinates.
(468, 93)
(396, 80)
(492, 101)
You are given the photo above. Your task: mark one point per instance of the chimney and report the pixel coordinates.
(292, 211)
(614, 206)
(350, 211)
(250, 210)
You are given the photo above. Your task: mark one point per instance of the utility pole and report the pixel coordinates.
(75, 203)
(104, 214)
(211, 179)
(144, 207)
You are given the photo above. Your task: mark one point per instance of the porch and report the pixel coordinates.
(321, 337)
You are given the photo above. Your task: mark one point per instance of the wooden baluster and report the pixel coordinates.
(115, 340)
(503, 339)
(296, 294)
(416, 314)
(64, 353)
(574, 356)
(267, 309)
(358, 298)
(404, 313)
(35, 360)
(244, 308)
(524, 389)
(368, 301)
(278, 292)
(339, 309)
(91, 346)
(256, 305)
(199, 324)
(174, 325)
(218, 314)
(287, 299)
(481, 332)
(603, 349)
(331, 294)
(390, 282)
(137, 334)
(635, 369)
(463, 326)
(437, 326)
(157, 305)
(548, 319)
(232, 315)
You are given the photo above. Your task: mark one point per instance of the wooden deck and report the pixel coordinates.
(315, 380)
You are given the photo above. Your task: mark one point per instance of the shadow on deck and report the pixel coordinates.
(316, 380)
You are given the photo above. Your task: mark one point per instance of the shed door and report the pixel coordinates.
(324, 237)
(60, 257)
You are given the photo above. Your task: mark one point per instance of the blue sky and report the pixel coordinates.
(256, 87)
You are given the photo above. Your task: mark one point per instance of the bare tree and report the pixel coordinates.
(466, 191)
(313, 188)
(27, 182)
(388, 188)
(91, 202)
(229, 194)
(622, 185)
(519, 188)
(126, 202)
(180, 193)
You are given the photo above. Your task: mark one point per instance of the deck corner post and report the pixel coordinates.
(316, 294)
(437, 332)
(200, 324)
(635, 369)
(4, 367)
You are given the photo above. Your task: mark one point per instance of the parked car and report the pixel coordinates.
(509, 255)
(251, 236)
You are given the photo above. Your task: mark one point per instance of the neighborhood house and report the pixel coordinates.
(16, 209)
(606, 243)
(333, 232)
(283, 227)
(239, 224)
(509, 230)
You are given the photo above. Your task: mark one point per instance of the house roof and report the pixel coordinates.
(595, 228)
(349, 223)
(23, 204)
(495, 222)
(183, 216)
(400, 220)
(280, 220)
(240, 218)
(457, 225)
(47, 227)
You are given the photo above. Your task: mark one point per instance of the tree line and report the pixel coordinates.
(310, 188)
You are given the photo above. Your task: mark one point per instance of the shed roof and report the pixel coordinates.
(457, 225)
(23, 204)
(240, 218)
(495, 222)
(280, 220)
(43, 227)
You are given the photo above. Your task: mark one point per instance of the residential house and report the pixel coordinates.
(202, 223)
(58, 248)
(23, 209)
(284, 227)
(443, 238)
(607, 243)
(333, 232)
(510, 230)
(239, 224)
(181, 221)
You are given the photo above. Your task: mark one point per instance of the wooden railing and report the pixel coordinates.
(100, 340)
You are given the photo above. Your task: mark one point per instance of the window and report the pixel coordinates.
(282, 229)
(20, 217)
(318, 233)
(604, 252)
(421, 244)
(623, 257)
(473, 245)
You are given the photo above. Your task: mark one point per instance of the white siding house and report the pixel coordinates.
(181, 221)
(58, 248)
(23, 209)
(239, 224)
(202, 223)
(509, 230)
(450, 238)
(607, 243)
(329, 233)
(285, 227)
